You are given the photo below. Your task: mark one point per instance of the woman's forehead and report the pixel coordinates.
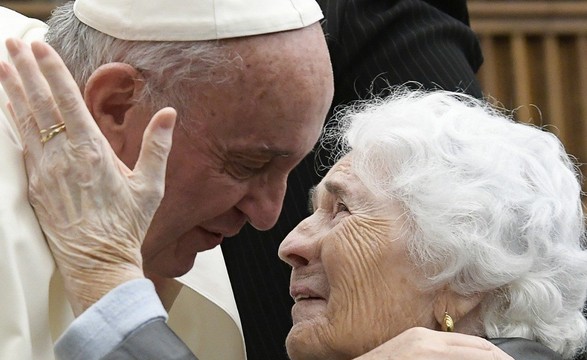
(341, 181)
(337, 177)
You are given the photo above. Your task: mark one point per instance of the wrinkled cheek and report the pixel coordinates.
(347, 328)
(358, 318)
(358, 289)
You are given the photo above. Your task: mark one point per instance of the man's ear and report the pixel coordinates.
(460, 307)
(109, 95)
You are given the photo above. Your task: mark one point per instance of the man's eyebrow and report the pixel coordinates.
(263, 151)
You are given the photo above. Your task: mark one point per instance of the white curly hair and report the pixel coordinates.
(494, 206)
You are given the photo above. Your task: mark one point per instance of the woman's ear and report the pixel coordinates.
(462, 309)
(110, 93)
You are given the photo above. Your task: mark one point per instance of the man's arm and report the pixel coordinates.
(93, 257)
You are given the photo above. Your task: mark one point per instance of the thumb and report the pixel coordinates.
(157, 139)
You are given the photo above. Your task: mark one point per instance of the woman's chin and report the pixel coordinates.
(299, 346)
(305, 342)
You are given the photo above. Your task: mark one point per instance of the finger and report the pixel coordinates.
(31, 143)
(20, 113)
(152, 163)
(40, 100)
(65, 92)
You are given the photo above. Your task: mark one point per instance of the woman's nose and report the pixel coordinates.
(300, 246)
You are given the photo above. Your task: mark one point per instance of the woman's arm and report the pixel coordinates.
(93, 210)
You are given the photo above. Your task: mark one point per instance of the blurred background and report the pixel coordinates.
(535, 60)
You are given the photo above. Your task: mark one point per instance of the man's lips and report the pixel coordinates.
(213, 239)
(202, 238)
(225, 233)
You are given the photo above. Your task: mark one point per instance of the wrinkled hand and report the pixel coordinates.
(93, 210)
(421, 343)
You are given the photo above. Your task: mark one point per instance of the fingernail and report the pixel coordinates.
(13, 46)
(167, 124)
(3, 71)
(39, 50)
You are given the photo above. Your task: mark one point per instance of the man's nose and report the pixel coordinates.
(263, 202)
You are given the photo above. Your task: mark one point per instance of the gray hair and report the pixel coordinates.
(493, 206)
(170, 69)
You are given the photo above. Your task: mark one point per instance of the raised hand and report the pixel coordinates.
(93, 209)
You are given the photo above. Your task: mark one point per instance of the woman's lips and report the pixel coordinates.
(301, 292)
(307, 308)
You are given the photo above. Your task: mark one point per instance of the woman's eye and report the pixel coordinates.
(340, 207)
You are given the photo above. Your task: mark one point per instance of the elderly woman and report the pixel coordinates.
(445, 214)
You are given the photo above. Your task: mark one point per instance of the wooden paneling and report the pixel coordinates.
(536, 62)
(35, 8)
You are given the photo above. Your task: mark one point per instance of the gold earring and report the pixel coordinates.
(448, 324)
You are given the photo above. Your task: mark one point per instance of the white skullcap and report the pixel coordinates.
(193, 20)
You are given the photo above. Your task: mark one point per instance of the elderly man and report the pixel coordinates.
(249, 109)
(256, 103)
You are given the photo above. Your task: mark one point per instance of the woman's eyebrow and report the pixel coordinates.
(335, 188)
(332, 187)
(311, 199)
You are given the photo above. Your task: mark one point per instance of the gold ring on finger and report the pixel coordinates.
(50, 132)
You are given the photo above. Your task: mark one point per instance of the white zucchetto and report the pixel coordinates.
(194, 20)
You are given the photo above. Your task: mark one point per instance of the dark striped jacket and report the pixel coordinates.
(373, 44)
